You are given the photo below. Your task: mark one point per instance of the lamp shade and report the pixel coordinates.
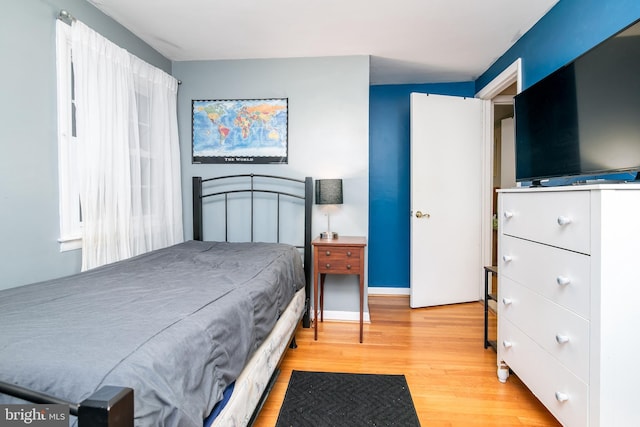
(329, 192)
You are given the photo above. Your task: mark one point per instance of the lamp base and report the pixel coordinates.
(329, 235)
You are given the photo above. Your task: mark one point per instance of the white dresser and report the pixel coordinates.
(569, 299)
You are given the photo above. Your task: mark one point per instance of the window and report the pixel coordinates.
(119, 161)
(68, 180)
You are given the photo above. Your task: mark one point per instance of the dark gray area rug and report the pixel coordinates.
(323, 399)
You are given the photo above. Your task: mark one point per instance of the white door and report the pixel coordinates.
(446, 196)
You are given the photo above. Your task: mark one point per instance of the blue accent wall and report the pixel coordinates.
(389, 155)
(569, 29)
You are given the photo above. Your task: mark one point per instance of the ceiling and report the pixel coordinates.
(409, 41)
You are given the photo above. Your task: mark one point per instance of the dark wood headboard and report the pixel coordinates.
(223, 186)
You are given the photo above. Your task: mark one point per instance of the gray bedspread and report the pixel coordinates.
(177, 325)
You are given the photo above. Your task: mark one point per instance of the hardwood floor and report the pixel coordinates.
(440, 351)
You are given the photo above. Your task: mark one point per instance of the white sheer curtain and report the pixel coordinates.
(126, 125)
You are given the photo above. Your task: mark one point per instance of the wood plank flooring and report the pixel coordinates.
(440, 351)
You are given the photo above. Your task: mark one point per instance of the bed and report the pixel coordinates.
(188, 335)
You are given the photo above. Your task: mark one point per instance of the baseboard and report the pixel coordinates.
(345, 316)
(354, 316)
(387, 291)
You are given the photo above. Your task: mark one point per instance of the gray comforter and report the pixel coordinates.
(177, 325)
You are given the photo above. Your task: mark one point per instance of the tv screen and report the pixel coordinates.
(583, 119)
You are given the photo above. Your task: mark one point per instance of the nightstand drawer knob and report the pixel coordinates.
(507, 344)
(561, 397)
(328, 265)
(562, 339)
(348, 266)
(507, 258)
(564, 220)
(506, 301)
(348, 253)
(508, 214)
(563, 281)
(328, 253)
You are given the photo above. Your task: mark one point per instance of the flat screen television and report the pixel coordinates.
(583, 119)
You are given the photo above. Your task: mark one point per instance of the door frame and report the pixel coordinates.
(511, 74)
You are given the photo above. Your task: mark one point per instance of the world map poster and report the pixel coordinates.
(240, 131)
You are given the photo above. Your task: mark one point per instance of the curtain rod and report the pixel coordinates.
(66, 17)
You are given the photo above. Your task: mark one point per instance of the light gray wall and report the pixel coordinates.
(29, 221)
(328, 133)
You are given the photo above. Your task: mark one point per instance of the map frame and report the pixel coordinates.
(260, 148)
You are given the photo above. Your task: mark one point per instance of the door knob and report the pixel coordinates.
(419, 214)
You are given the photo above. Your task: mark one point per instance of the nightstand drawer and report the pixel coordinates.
(339, 260)
(346, 253)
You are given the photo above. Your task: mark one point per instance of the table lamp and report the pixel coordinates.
(328, 192)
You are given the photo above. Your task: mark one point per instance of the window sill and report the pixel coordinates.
(70, 243)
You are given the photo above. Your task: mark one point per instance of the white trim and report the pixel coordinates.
(371, 290)
(68, 192)
(345, 316)
(487, 187)
(513, 73)
(503, 100)
(70, 244)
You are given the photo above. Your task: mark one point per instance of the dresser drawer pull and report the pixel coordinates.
(348, 253)
(563, 281)
(328, 253)
(562, 339)
(508, 214)
(328, 265)
(561, 397)
(507, 301)
(507, 258)
(564, 220)
(348, 266)
(507, 344)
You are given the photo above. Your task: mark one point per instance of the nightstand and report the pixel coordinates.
(344, 255)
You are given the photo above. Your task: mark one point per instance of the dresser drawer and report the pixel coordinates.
(342, 260)
(549, 380)
(560, 275)
(562, 333)
(559, 219)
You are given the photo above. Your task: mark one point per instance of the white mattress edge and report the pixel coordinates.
(255, 376)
